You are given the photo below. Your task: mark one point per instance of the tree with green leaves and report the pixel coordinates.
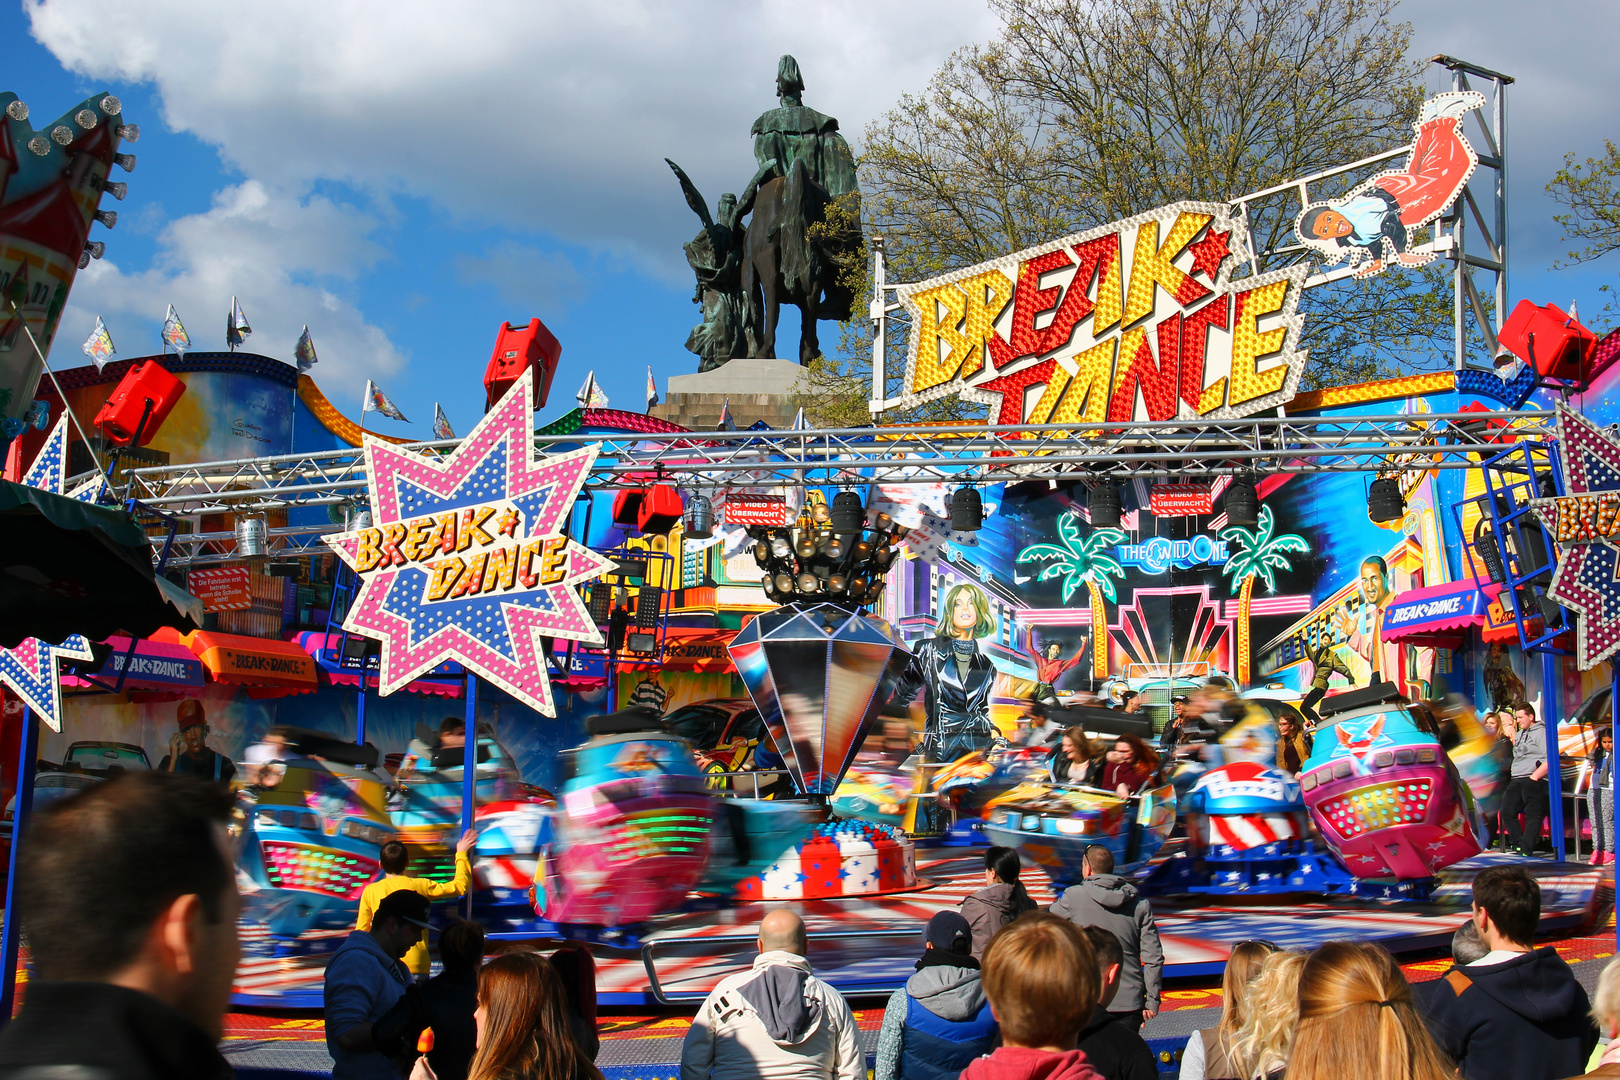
(1259, 556)
(1591, 191)
(1083, 112)
(1083, 560)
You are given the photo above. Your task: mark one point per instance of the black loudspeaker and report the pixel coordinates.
(649, 606)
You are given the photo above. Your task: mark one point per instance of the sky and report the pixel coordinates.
(403, 181)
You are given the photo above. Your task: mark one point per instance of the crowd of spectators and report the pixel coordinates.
(135, 984)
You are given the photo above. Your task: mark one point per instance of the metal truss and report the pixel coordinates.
(1153, 450)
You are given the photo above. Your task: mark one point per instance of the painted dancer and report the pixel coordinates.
(1375, 221)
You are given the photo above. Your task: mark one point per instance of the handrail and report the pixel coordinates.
(749, 939)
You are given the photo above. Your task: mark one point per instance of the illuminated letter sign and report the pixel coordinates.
(1138, 320)
(468, 560)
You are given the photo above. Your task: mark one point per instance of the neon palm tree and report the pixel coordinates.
(1261, 556)
(1083, 560)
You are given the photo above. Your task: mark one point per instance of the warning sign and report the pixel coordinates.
(224, 589)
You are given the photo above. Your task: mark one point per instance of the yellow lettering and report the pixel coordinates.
(553, 562)
(525, 570)
(1249, 345)
(392, 535)
(472, 582)
(472, 526)
(933, 369)
(502, 569)
(447, 532)
(1154, 265)
(446, 572)
(369, 553)
(1086, 399)
(415, 544)
(1608, 511)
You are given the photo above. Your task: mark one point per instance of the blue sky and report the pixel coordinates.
(402, 182)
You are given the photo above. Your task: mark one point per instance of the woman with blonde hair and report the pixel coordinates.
(1209, 1052)
(1606, 1011)
(523, 1027)
(1261, 1049)
(1357, 1019)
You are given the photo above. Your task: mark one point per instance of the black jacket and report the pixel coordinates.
(1115, 1051)
(109, 1032)
(954, 706)
(449, 1000)
(1521, 1020)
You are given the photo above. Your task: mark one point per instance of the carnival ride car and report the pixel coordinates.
(631, 835)
(85, 765)
(729, 736)
(1382, 790)
(309, 839)
(1052, 825)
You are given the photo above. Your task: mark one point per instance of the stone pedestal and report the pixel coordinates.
(757, 390)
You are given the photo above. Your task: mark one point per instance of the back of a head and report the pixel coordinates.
(394, 857)
(1262, 1045)
(1107, 951)
(1466, 944)
(452, 725)
(526, 1031)
(1040, 976)
(461, 946)
(1004, 862)
(1357, 1018)
(782, 931)
(153, 837)
(1606, 998)
(1237, 983)
(1099, 859)
(1512, 898)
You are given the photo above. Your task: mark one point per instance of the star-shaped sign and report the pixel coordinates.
(1587, 577)
(30, 670)
(1210, 252)
(466, 559)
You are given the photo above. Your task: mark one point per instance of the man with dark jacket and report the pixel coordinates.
(1516, 1013)
(1110, 1047)
(129, 900)
(940, 1021)
(1111, 902)
(365, 981)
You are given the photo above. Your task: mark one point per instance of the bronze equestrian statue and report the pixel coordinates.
(791, 250)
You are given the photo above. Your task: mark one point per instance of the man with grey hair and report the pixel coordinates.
(775, 1021)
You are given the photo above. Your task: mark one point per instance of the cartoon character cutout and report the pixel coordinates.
(1358, 738)
(1372, 225)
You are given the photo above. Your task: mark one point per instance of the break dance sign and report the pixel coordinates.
(468, 559)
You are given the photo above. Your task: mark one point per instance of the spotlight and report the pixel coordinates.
(116, 188)
(96, 249)
(1384, 500)
(967, 510)
(62, 134)
(17, 110)
(125, 161)
(780, 548)
(39, 145)
(699, 518)
(1103, 502)
(108, 218)
(848, 515)
(252, 538)
(129, 132)
(1489, 554)
(1243, 502)
(109, 105)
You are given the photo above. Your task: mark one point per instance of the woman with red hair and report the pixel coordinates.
(1131, 764)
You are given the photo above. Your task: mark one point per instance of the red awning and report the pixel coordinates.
(266, 666)
(697, 648)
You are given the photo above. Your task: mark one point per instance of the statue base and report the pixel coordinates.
(756, 390)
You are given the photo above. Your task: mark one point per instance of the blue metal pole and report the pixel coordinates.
(1555, 774)
(1614, 773)
(469, 767)
(360, 712)
(10, 938)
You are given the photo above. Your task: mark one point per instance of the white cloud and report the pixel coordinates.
(282, 255)
(548, 116)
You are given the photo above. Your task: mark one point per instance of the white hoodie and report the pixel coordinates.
(775, 1021)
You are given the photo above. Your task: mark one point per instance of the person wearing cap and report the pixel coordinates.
(188, 749)
(1175, 730)
(394, 858)
(940, 1021)
(365, 982)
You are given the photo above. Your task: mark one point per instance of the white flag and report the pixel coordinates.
(590, 395)
(304, 351)
(377, 401)
(99, 345)
(236, 325)
(652, 389)
(174, 332)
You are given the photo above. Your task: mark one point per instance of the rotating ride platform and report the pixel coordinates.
(867, 946)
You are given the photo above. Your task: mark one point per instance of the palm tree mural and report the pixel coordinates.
(1083, 560)
(1261, 556)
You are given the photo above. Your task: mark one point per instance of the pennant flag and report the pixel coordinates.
(99, 345)
(590, 395)
(725, 423)
(441, 424)
(377, 401)
(236, 325)
(652, 389)
(304, 351)
(798, 420)
(174, 333)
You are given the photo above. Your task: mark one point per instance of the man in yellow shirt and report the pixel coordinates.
(394, 859)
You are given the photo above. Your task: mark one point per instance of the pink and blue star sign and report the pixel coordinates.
(467, 559)
(1587, 578)
(30, 669)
